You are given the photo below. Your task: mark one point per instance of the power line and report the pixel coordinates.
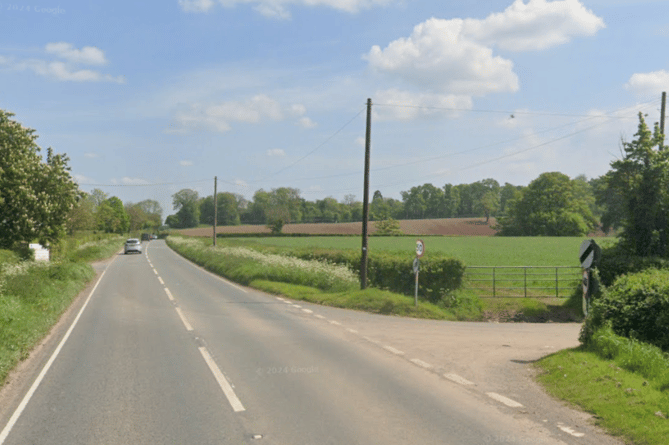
(147, 185)
(315, 149)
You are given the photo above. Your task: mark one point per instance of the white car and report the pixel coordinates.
(132, 245)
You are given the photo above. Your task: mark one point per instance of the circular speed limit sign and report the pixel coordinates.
(420, 248)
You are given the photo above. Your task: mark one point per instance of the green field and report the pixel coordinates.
(474, 251)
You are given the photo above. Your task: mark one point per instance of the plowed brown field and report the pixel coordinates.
(449, 226)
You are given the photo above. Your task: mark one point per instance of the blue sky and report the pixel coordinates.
(271, 93)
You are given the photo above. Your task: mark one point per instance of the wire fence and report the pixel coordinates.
(522, 281)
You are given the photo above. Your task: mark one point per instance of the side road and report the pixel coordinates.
(491, 359)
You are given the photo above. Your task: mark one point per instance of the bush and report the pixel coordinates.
(440, 276)
(617, 260)
(636, 306)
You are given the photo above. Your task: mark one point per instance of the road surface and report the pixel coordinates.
(162, 352)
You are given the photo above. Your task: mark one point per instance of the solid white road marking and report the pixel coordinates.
(169, 294)
(505, 400)
(393, 350)
(40, 377)
(183, 319)
(222, 382)
(568, 430)
(421, 363)
(161, 281)
(308, 311)
(457, 379)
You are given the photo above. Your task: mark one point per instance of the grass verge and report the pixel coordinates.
(314, 281)
(624, 383)
(32, 298)
(34, 295)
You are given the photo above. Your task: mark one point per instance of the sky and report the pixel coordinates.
(147, 98)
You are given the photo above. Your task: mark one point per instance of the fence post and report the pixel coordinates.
(525, 271)
(493, 283)
(557, 292)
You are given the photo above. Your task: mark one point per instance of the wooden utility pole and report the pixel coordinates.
(215, 208)
(662, 110)
(365, 198)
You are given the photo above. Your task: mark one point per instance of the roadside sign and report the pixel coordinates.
(589, 253)
(586, 288)
(416, 265)
(420, 248)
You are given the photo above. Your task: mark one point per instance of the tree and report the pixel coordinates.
(82, 214)
(36, 195)
(185, 202)
(112, 217)
(548, 207)
(637, 187)
(227, 211)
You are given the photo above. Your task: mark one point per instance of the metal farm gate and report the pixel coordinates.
(522, 281)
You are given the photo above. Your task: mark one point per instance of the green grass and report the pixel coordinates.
(31, 302)
(474, 251)
(623, 402)
(304, 280)
(34, 295)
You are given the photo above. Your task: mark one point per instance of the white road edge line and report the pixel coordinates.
(222, 382)
(505, 400)
(568, 430)
(183, 319)
(393, 350)
(421, 363)
(457, 379)
(19, 410)
(169, 294)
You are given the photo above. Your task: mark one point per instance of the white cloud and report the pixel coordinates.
(276, 152)
(278, 8)
(218, 117)
(360, 141)
(130, 181)
(306, 122)
(68, 70)
(437, 56)
(407, 105)
(91, 155)
(81, 179)
(653, 82)
(450, 61)
(185, 163)
(88, 55)
(537, 25)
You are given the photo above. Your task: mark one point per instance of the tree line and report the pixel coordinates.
(40, 201)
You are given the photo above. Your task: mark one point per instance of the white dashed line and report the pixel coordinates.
(155, 271)
(421, 363)
(169, 294)
(183, 319)
(319, 316)
(568, 430)
(393, 350)
(336, 323)
(222, 382)
(505, 400)
(161, 281)
(457, 379)
(352, 331)
(280, 299)
(371, 340)
(308, 311)
(297, 306)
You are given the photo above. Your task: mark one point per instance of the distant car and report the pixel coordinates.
(132, 245)
(154, 236)
(146, 237)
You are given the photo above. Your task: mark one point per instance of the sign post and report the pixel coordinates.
(588, 255)
(420, 250)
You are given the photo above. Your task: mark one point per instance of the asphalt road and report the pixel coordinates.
(165, 353)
